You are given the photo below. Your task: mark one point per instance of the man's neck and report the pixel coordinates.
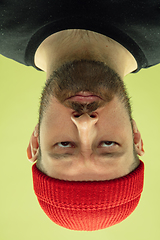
(74, 44)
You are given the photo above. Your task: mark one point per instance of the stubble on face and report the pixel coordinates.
(83, 75)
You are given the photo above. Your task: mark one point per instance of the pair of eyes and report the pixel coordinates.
(103, 144)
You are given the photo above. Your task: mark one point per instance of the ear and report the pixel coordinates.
(33, 147)
(137, 140)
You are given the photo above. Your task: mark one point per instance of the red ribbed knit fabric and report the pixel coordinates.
(90, 205)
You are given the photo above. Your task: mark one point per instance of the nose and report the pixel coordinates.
(87, 130)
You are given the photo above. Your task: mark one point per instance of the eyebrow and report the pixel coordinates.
(114, 154)
(60, 156)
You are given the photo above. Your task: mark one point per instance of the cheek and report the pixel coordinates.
(55, 129)
(116, 120)
(57, 114)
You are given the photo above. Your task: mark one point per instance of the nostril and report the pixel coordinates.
(93, 115)
(76, 115)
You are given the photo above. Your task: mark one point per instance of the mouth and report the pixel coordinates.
(86, 97)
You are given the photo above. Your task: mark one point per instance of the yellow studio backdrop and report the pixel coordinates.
(20, 214)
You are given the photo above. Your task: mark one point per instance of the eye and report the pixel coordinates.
(108, 144)
(64, 144)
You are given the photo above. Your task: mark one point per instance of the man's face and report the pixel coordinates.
(85, 132)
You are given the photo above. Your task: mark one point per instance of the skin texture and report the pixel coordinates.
(87, 156)
(97, 145)
(78, 44)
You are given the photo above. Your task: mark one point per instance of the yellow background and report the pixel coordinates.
(20, 214)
